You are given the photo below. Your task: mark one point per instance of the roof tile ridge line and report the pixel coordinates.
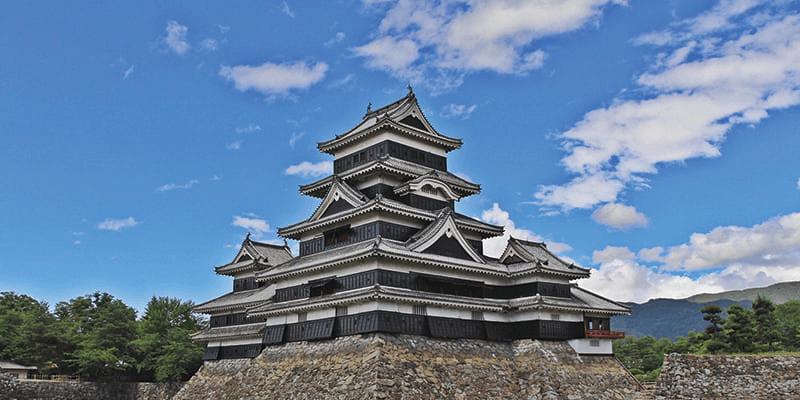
(602, 297)
(409, 95)
(336, 181)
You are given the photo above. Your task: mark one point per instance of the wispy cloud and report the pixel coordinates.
(462, 111)
(295, 137)
(694, 95)
(307, 169)
(209, 44)
(173, 186)
(223, 29)
(336, 39)
(258, 227)
(127, 72)
(286, 10)
(250, 128)
(274, 79)
(436, 43)
(176, 37)
(117, 224)
(216, 178)
(234, 146)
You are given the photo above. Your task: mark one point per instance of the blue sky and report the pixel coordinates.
(653, 141)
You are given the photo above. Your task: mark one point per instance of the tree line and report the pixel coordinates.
(765, 328)
(100, 338)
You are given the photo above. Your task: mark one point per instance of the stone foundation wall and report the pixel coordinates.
(382, 366)
(13, 389)
(686, 376)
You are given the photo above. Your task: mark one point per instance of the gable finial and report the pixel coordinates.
(248, 236)
(410, 90)
(369, 107)
(285, 243)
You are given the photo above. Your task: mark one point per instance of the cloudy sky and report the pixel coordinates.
(653, 141)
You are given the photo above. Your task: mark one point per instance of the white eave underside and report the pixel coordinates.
(393, 249)
(378, 292)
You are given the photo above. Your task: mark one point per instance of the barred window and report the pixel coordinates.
(302, 317)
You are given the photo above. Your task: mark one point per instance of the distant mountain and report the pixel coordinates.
(779, 293)
(670, 318)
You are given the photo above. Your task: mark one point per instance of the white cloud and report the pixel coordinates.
(336, 39)
(209, 44)
(619, 216)
(250, 128)
(258, 227)
(462, 111)
(216, 178)
(774, 242)
(295, 137)
(77, 242)
(798, 183)
(274, 79)
(428, 41)
(176, 37)
(286, 10)
(693, 103)
(494, 247)
(307, 169)
(234, 146)
(733, 258)
(172, 186)
(117, 224)
(127, 72)
(223, 28)
(342, 82)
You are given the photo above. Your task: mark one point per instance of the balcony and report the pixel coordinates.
(598, 334)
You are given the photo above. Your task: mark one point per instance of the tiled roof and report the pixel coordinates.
(236, 300)
(581, 300)
(537, 258)
(392, 165)
(380, 203)
(230, 332)
(392, 117)
(264, 255)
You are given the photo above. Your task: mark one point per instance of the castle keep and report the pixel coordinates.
(387, 252)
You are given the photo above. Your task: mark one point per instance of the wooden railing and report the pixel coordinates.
(598, 334)
(55, 378)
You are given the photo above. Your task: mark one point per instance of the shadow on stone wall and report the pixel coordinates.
(13, 389)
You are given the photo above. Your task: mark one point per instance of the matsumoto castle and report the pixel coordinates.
(386, 251)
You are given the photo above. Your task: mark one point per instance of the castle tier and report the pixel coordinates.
(385, 251)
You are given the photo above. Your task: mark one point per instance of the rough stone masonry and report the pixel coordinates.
(382, 366)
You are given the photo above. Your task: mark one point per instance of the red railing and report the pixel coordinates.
(598, 334)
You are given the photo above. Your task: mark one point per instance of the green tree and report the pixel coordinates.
(713, 334)
(740, 329)
(101, 329)
(29, 333)
(642, 356)
(767, 330)
(788, 315)
(167, 353)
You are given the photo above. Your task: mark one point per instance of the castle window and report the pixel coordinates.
(302, 317)
(420, 310)
(555, 317)
(594, 342)
(338, 236)
(341, 311)
(477, 315)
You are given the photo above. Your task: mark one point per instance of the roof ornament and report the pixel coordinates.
(369, 107)
(248, 236)
(285, 243)
(410, 90)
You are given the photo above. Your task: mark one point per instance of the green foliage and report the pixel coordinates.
(788, 316)
(102, 329)
(28, 332)
(767, 330)
(167, 352)
(740, 329)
